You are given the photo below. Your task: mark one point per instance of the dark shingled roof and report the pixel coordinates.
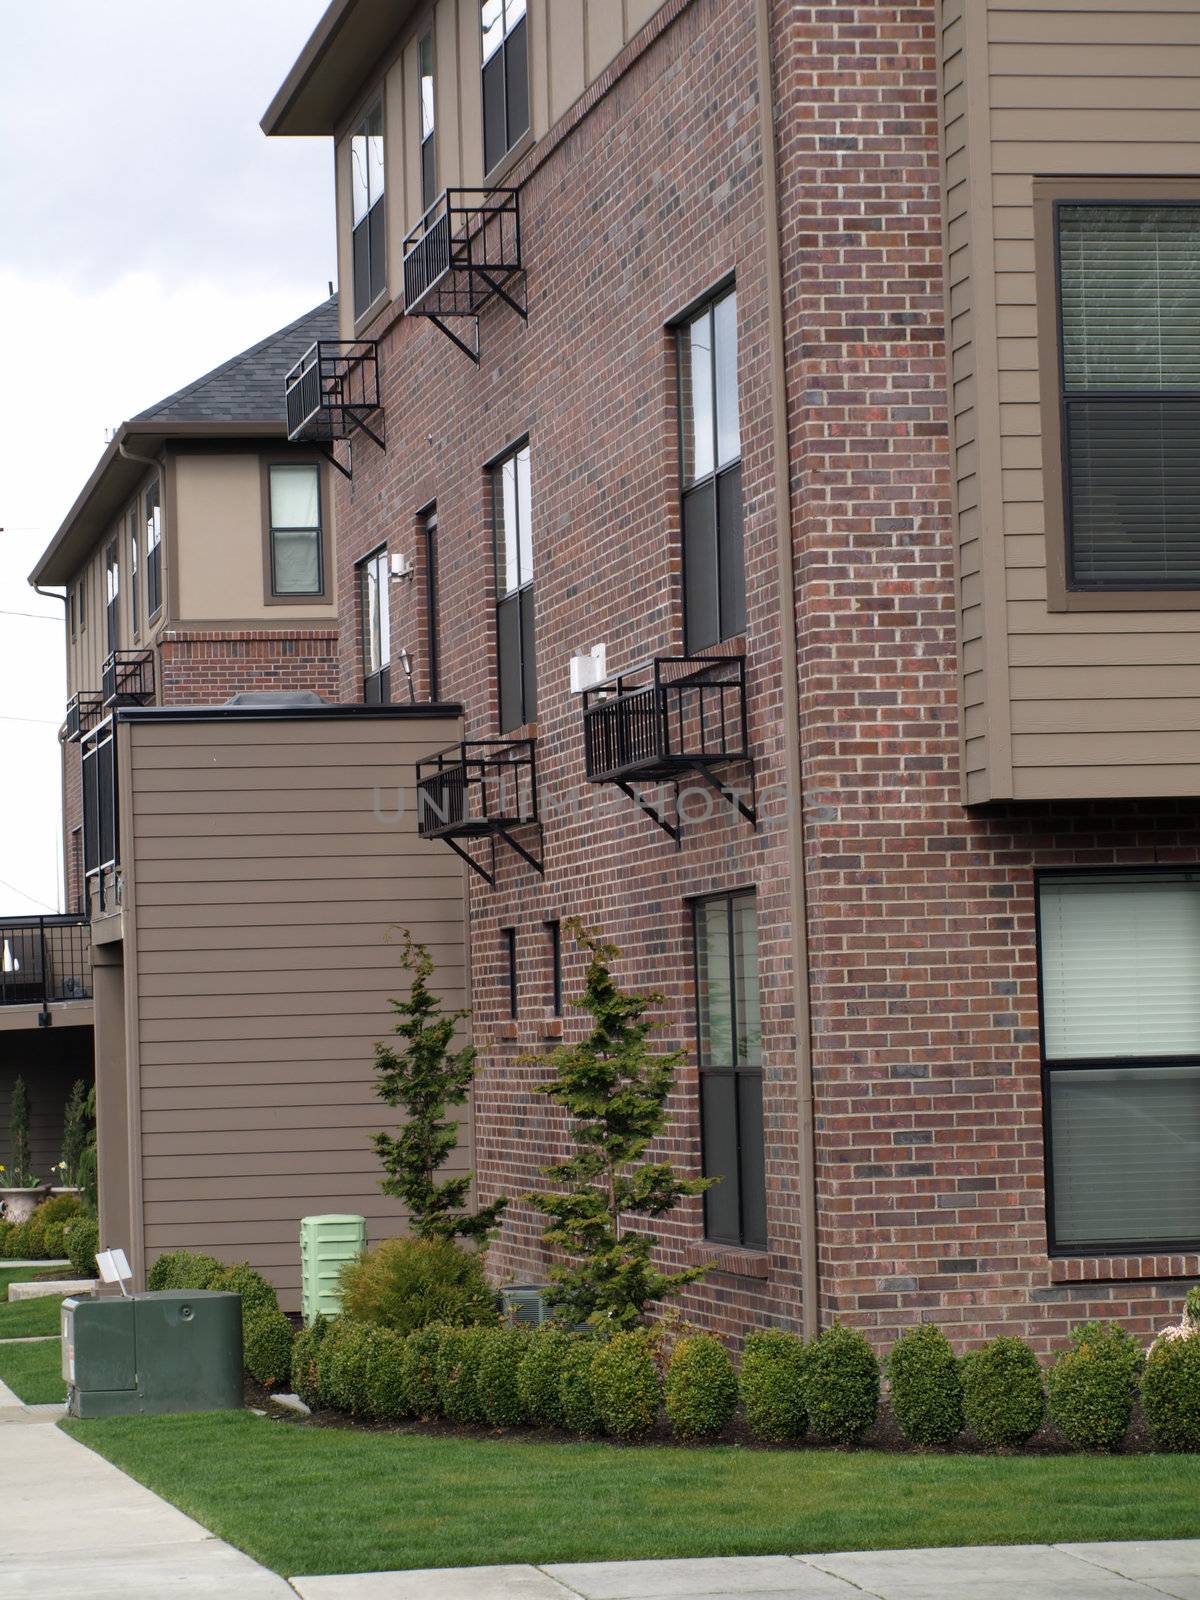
(249, 387)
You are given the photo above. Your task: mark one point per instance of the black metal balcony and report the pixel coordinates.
(45, 960)
(331, 391)
(84, 711)
(126, 679)
(464, 253)
(674, 716)
(479, 789)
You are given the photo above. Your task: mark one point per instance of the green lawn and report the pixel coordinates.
(33, 1371)
(308, 1499)
(23, 1319)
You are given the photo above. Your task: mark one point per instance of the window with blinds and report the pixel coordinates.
(1129, 307)
(1120, 974)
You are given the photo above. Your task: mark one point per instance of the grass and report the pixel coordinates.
(25, 1319)
(34, 1372)
(303, 1499)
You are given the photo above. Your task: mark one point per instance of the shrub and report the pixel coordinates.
(60, 1208)
(305, 1350)
(841, 1385)
(257, 1294)
(926, 1386)
(421, 1351)
(772, 1385)
(342, 1365)
(539, 1376)
(54, 1241)
(180, 1269)
(1003, 1399)
(626, 1390)
(267, 1339)
(387, 1377)
(500, 1356)
(1092, 1386)
(81, 1240)
(701, 1389)
(1171, 1393)
(77, 1126)
(576, 1397)
(458, 1358)
(405, 1284)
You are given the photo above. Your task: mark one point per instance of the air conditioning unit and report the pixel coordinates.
(588, 668)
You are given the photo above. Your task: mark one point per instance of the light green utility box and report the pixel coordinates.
(326, 1244)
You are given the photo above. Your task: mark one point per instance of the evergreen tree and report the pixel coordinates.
(615, 1089)
(22, 1176)
(76, 1127)
(423, 1075)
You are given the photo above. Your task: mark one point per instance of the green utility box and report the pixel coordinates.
(326, 1245)
(174, 1350)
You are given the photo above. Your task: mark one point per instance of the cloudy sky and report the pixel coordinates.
(149, 231)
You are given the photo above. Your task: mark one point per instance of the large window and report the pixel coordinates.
(1120, 973)
(152, 516)
(369, 224)
(377, 629)
(427, 112)
(713, 569)
(294, 495)
(1129, 394)
(505, 78)
(112, 596)
(135, 575)
(730, 1056)
(428, 532)
(512, 520)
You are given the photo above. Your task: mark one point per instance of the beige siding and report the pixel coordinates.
(1056, 704)
(87, 650)
(263, 897)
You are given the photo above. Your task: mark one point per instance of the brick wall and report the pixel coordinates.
(206, 668)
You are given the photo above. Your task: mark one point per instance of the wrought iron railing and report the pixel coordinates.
(678, 712)
(464, 252)
(84, 711)
(127, 678)
(101, 821)
(45, 960)
(479, 786)
(332, 389)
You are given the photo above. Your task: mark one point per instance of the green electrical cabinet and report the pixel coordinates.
(326, 1245)
(172, 1350)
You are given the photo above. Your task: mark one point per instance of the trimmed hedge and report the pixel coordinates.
(1092, 1386)
(575, 1392)
(181, 1269)
(701, 1391)
(81, 1241)
(925, 1386)
(421, 1351)
(501, 1353)
(626, 1391)
(257, 1294)
(540, 1375)
(841, 1385)
(386, 1395)
(459, 1354)
(772, 1385)
(267, 1339)
(1003, 1399)
(305, 1350)
(342, 1365)
(1171, 1393)
(406, 1284)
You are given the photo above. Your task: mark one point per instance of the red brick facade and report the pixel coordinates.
(920, 925)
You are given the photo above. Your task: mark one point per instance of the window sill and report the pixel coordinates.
(733, 1259)
(506, 1030)
(377, 307)
(509, 160)
(1124, 600)
(1122, 1268)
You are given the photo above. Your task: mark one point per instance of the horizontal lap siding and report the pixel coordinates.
(273, 868)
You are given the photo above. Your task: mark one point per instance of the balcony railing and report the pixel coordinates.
(464, 253)
(127, 679)
(101, 822)
(480, 788)
(44, 960)
(674, 716)
(84, 711)
(332, 390)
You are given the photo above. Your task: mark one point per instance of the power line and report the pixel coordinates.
(34, 616)
(35, 898)
(41, 722)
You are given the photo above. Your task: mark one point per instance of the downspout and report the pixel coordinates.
(789, 654)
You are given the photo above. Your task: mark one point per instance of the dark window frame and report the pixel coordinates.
(368, 235)
(510, 957)
(376, 680)
(151, 504)
(554, 938)
(519, 601)
(507, 82)
(290, 597)
(135, 569)
(427, 520)
(112, 594)
(81, 595)
(427, 136)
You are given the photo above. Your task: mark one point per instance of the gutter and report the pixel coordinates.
(789, 653)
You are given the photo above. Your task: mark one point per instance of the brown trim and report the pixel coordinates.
(1046, 192)
(280, 458)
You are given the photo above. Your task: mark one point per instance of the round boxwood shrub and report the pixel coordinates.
(1003, 1398)
(405, 1284)
(181, 1269)
(81, 1240)
(458, 1358)
(925, 1386)
(701, 1391)
(501, 1353)
(267, 1338)
(1092, 1386)
(539, 1376)
(1171, 1393)
(626, 1389)
(257, 1294)
(342, 1365)
(305, 1373)
(841, 1385)
(576, 1396)
(387, 1398)
(422, 1348)
(771, 1385)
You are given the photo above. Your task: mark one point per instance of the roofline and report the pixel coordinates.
(425, 711)
(306, 64)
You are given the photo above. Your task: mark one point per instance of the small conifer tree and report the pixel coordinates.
(76, 1127)
(615, 1089)
(423, 1075)
(18, 1116)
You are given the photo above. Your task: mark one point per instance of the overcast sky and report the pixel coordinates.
(148, 230)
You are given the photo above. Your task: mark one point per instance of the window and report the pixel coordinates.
(505, 78)
(512, 516)
(71, 610)
(730, 1058)
(510, 959)
(377, 629)
(134, 573)
(369, 228)
(427, 111)
(428, 523)
(81, 607)
(152, 515)
(554, 939)
(112, 596)
(294, 492)
(1120, 985)
(713, 572)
